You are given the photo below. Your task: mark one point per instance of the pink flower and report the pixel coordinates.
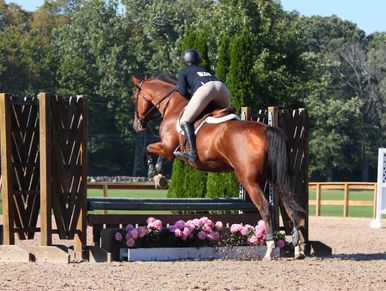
(172, 228)
(190, 224)
(142, 231)
(236, 228)
(184, 236)
(219, 225)
(208, 222)
(130, 242)
(201, 235)
(253, 240)
(260, 232)
(129, 227)
(180, 224)
(134, 233)
(128, 235)
(156, 224)
(280, 243)
(244, 230)
(198, 222)
(213, 236)
(261, 224)
(207, 228)
(178, 232)
(150, 220)
(118, 236)
(187, 231)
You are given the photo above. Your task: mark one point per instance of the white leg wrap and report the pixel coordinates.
(299, 254)
(270, 248)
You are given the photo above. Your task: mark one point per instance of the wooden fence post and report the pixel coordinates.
(345, 200)
(318, 199)
(375, 201)
(245, 116)
(6, 170)
(80, 240)
(104, 194)
(45, 142)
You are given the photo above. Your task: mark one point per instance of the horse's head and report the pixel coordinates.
(151, 95)
(143, 104)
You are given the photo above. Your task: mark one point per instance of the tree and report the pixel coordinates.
(186, 181)
(240, 74)
(222, 66)
(94, 57)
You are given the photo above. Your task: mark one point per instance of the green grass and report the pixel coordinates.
(129, 193)
(337, 210)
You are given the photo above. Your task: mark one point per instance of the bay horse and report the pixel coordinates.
(254, 151)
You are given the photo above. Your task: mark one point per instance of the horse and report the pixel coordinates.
(254, 151)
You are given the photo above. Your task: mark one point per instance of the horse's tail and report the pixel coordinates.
(279, 167)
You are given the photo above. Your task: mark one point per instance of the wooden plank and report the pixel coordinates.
(169, 204)
(6, 170)
(342, 203)
(121, 186)
(345, 200)
(318, 199)
(45, 100)
(80, 240)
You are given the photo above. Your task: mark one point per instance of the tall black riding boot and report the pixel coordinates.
(191, 155)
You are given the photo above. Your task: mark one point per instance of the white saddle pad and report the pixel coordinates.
(210, 119)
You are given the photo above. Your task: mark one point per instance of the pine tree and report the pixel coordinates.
(222, 184)
(240, 74)
(176, 187)
(185, 181)
(223, 60)
(202, 47)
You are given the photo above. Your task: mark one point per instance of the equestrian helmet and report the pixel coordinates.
(191, 57)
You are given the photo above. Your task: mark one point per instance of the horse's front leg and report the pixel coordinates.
(159, 165)
(151, 172)
(162, 152)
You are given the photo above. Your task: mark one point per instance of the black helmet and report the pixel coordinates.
(191, 57)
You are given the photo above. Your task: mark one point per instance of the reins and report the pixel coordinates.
(143, 119)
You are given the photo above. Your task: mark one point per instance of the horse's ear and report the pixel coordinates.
(135, 80)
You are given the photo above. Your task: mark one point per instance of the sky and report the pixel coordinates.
(369, 15)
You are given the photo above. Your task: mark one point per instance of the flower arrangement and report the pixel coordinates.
(196, 232)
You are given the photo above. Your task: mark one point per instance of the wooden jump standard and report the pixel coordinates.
(53, 179)
(44, 170)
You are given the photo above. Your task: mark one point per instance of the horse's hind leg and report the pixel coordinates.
(258, 198)
(297, 236)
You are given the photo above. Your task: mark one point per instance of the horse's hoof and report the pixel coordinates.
(300, 256)
(267, 259)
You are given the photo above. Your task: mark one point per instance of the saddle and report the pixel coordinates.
(214, 117)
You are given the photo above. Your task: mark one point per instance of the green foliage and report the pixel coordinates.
(222, 185)
(240, 74)
(176, 185)
(186, 182)
(222, 65)
(197, 40)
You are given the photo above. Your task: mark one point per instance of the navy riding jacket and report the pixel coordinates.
(191, 78)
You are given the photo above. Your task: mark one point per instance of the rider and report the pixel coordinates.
(204, 88)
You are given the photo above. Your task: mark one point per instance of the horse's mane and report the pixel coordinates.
(164, 76)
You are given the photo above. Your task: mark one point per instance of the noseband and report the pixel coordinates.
(144, 119)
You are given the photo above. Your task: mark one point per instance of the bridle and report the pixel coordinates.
(145, 117)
